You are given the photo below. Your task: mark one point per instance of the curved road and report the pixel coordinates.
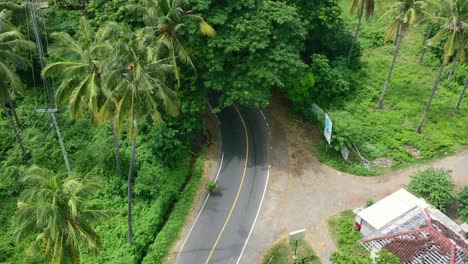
(223, 226)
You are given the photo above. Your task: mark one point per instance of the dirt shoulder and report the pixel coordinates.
(303, 192)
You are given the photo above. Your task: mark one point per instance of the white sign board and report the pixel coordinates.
(328, 128)
(297, 235)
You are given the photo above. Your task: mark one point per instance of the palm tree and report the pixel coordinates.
(53, 210)
(462, 94)
(135, 86)
(167, 18)
(359, 7)
(454, 15)
(81, 68)
(10, 82)
(405, 13)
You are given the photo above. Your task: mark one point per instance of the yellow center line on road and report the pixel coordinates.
(238, 191)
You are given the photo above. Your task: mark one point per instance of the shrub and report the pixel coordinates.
(345, 235)
(463, 204)
(346, 258)
(386, 257)
(434, 185)
(171, 231)
(210, 186)
(369, 202)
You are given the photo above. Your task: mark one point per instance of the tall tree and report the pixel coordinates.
(404, 13)
(167, 19)
(462, 94)
(54, 211)
(360, 8)
(81, 69)
(10, 82)
(454, 18)
(135, 84)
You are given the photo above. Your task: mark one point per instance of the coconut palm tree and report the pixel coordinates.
(404, 13)
(53, 211)
(10, 82)
(81, 69)
(135, 85)
(360, 8)
(167, 18)
(462, 94)
(454, 18)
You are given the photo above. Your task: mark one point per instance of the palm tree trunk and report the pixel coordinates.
(462, 94)
(397, 35)
(15, 130)
(454, 64)
(436, 85)
(116, 144)
(13, 110)
(387, 82)
(130, 188)
(423, 52)
(355, 38)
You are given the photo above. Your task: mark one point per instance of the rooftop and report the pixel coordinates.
(417, 237)
(390, 208)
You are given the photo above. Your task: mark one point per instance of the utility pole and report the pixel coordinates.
(59, 135)
(48, 92)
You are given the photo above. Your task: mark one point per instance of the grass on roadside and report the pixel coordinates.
(165, 239)
(282, 252)
(341, 229)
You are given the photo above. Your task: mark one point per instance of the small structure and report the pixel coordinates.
(412, 230)
(373, 218)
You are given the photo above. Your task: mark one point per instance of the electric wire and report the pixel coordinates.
(26, 154)
(31, 56)
(18, 181)
(18, 132)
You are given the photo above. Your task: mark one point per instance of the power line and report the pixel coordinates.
(31, 56)
(26, 154)
(18, 133)
(18, 181)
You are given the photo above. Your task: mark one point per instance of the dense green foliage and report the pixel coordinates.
(390, 133)
(434, 185)
(142, 62)
(341, 228)
(346, 237)
(165, 239)
(386, 257)
(462, 197)
(282, 252)
(338, 257)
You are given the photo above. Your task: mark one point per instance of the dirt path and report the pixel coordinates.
(302, 192)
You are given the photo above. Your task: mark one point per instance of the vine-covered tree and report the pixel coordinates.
(55, 212)
(257, 47)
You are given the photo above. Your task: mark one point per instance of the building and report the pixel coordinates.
(412, 230)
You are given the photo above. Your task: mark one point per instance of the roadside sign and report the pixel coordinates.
(297, 235)
(328, 128)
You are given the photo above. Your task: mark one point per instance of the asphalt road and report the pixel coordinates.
(224, 224)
